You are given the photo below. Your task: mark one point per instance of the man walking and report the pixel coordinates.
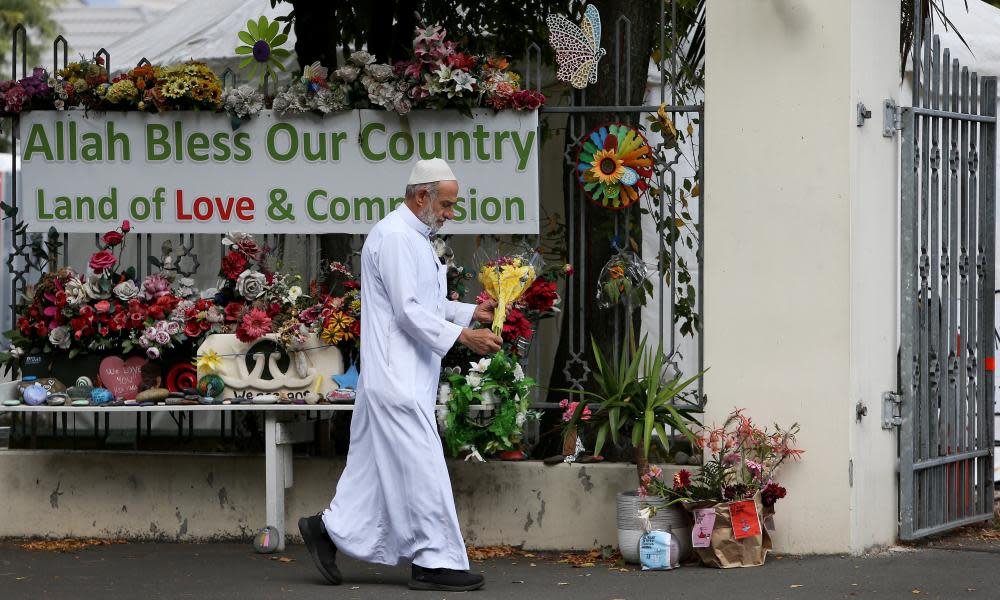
(394, 500)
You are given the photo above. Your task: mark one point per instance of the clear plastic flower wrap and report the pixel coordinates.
(506, 271)
(621, 280)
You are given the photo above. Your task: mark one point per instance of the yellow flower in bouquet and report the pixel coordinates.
(505, 280)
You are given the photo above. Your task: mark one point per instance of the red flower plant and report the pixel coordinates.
(233, 310)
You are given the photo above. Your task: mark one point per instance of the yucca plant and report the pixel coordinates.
(634, 401)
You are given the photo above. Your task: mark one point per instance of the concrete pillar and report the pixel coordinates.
(800, 251)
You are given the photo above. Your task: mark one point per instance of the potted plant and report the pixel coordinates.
(634, 402)
(732, 496)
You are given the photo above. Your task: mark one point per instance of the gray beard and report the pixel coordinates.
(426, 217)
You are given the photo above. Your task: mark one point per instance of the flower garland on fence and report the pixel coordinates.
(437, 75)
(499, 381)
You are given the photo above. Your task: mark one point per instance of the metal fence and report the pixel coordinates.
(671, 256)
(948, 220)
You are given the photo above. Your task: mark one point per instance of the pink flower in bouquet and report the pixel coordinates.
(102, 307)
(311, 314)
(155, 286)
(153, 352)
(682, 479)
(102, 260)
(255, 324)
(482, 297)
(126, 226)
(569, 409)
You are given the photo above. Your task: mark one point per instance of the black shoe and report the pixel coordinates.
(321, 547)
(445, 580)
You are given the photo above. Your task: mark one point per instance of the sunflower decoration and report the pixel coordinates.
(262, 43)
(615, 164)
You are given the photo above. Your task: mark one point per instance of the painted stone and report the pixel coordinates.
(181, 376)
(84, 381)
(34, 395)
(12, 402)
(79, 392)
(211, 385)
(152, 395)
(122, 376)
(81, 403)
(100, 396)
(57, 399)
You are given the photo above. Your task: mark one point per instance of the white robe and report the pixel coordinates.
(394, 500)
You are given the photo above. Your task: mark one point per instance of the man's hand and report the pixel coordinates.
(484, 312)
(480, 341)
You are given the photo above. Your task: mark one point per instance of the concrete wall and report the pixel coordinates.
(800, 248)
(201, 497)
(874, 272)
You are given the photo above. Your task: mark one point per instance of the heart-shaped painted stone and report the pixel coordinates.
(122, 377)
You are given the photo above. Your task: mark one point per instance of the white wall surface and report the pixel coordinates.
(799, 285)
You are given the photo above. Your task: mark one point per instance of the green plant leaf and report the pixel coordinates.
(248, 39)
(244, 49)
(279, 40)
(252, 29)
(602, 434)
(272, 31)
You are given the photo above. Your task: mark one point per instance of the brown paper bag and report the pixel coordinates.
(725, 551)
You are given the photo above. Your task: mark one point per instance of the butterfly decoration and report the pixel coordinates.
(578, 47)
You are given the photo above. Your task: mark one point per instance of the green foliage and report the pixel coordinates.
(634, 400)
(499, 378)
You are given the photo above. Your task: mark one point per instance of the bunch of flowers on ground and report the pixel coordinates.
(498, 381)
(743, 461)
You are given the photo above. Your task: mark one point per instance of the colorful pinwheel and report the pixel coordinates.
(615, 164)
(263, 45)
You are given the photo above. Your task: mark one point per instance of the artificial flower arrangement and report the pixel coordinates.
(437, 75)
(257, 299)
(734, 493)
(496, 381)
(102, 310)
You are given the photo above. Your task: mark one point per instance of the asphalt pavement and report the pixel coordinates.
(144, 571)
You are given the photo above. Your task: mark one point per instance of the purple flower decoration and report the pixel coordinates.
(261, 51)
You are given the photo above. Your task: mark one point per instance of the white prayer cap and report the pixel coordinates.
(429, 171)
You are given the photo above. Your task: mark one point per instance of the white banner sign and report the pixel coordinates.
(192, 173)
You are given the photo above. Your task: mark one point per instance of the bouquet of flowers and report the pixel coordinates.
(338, 317)
(743, 461)
(623, 279)
(505, 277)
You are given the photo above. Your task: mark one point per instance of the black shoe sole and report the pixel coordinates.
(437, 587)
(334, 579)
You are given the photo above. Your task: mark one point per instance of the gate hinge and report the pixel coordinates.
(892, 118)
(892, 415)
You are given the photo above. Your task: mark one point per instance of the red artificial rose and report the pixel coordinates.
(87, 312)
(103, 307)
(42, 329)
(191, 329)
(233, 310)
(232, 265)
(60, 298)
(273, 310)
(103, 331)
(119, 321)
(112, 238)
(203, 304)
(126, 226)
(102, 260)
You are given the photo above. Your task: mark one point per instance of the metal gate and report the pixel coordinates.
(947, 262)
